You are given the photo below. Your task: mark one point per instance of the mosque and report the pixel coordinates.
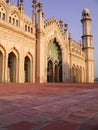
(40, 51)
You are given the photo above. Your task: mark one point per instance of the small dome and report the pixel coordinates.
(86, 12)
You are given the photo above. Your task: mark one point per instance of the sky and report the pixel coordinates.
(70, 11)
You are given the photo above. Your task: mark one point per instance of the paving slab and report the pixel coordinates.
(53, 106)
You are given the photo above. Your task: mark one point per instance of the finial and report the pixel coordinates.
(21, 5)
(66, 27)
(21, 1)
(7, 1)
(40, 5)
(61, 23)
(86, 13)
(34, 1)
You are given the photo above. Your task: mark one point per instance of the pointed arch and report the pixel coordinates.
(54, 61)
(28, 67)
(50, 71)
(13, 65)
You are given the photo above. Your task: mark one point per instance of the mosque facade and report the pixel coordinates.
(39, 50)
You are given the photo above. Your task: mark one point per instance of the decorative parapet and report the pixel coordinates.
(52, 21)
(76, 48)
(49, 22)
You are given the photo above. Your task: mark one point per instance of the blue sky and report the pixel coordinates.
(70, 11)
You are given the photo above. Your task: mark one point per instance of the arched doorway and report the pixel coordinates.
(50, 71)
(54, 65)
(11, 67)
(1, 65)
(27, 69)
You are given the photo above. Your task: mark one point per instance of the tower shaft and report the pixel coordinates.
(87, 45)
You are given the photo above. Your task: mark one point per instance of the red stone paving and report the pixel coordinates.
(53, 106)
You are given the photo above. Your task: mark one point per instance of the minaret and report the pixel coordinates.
(21, 7)
(34, 15)
(40, 16)
(40, 46)
(87, 45)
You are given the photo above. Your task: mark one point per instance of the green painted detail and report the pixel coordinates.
(54, 50)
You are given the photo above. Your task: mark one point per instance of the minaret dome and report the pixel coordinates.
(86, 13)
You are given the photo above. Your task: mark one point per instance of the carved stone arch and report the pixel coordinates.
(13, 65)
(54, 60)
(56, 39)
(55, 36)
(50, 59)
(28, 67)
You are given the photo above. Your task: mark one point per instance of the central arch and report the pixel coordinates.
(54, 62)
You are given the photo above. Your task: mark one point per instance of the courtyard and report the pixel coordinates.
(53, 106)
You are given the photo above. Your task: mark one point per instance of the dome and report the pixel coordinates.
(86, 12)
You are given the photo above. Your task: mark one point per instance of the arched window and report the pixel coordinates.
(31, 30)
(28, 28)
(17, 23)
(25, 27)
(9, 19)
(13, 20)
